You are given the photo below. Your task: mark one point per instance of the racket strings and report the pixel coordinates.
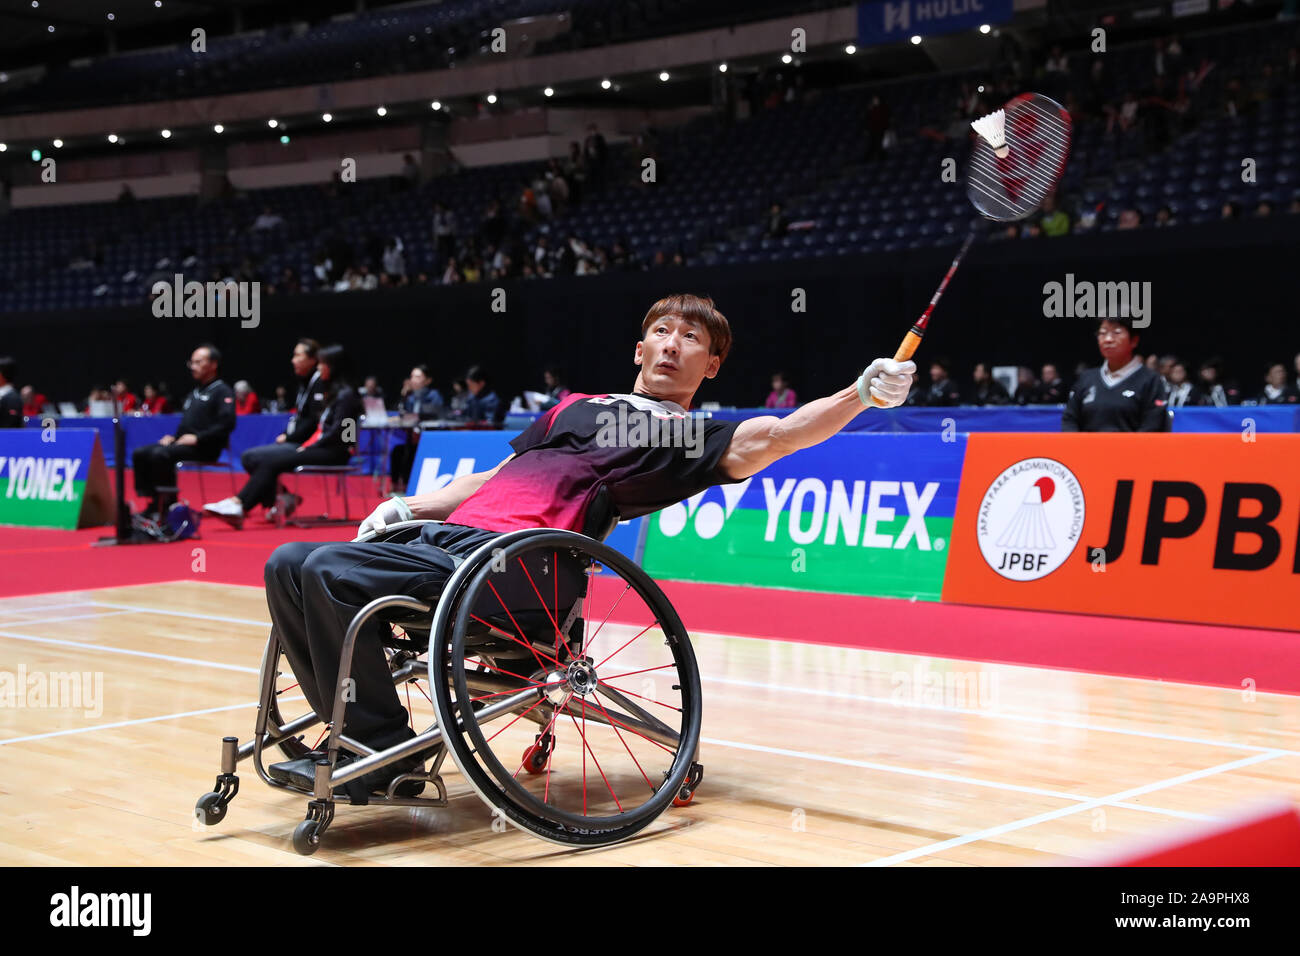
(1038, 140)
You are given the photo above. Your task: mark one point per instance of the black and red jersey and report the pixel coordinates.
(648, 453)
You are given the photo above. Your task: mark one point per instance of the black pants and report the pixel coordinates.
(155, 465)
(265, 463)
(314, 590)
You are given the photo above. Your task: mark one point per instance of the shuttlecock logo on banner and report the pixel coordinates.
(1030, 520)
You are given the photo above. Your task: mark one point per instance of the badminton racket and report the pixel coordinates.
(1017, 160)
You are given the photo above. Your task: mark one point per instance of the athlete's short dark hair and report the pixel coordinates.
(698, 309)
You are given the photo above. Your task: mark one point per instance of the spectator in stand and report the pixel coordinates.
(1054, 220)
(268, 220)
(371, 388)
(1123, 395)
(776, 224)
(1027, 385)
(877, 123)
(394, 260)
(280, 404)
(1183, 391)
(155, 400)
(1264, 209)
(444, 231)
(1051, 390)
(451, 275)
(782, 395)
(1217, 392)
(332, 442)
(207, 419)
(33, 401)
(459, 399)
(1129, 219)
(1165, 217)
(124, 397)
(988, 390)
(483, 405)
(1277, 390)
(11, 404)
(1229, 211)
(556, 390)
(246, 402)
(942, 390)
(595, 153)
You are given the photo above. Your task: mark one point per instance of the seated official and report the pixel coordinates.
(421, 399)
(1123, 395)
(483, 405)
(307, 410)
(11, 404)
(207, 419)
(333, 443)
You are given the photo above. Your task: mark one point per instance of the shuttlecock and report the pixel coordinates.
(993, 129)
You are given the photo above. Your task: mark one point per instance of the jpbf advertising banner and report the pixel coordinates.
(891, 21)
(858, 514)
(1201, 528)
(443, 456)
(53, 478)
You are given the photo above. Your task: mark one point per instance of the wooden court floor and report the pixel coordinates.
(812, 754)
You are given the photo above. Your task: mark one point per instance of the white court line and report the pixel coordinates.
(1112, 799)
(1022, 718)
(930, 774)
(6, 609)
(125, 723)
(194, 614)
(70, 617)
(121, 650)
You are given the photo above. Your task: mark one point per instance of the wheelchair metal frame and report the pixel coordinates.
(407, 663)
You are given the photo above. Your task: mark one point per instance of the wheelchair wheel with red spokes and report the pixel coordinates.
(562, 650)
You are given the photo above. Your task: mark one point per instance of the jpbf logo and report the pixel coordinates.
(1030, 519)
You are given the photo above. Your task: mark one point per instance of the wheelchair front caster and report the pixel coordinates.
(536, 756)
(211, 807)
(306, 837)
(687, 792)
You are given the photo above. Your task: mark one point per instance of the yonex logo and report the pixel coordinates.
(709, 516)
(430, 480)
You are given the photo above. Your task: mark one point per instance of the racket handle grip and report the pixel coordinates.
(905, 351)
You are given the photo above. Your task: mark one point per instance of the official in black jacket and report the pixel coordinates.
(332, 443)
(1123, 395)
(988, 390)
(307, 409)
(207, 419)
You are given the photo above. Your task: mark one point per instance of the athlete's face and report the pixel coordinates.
(674, 357)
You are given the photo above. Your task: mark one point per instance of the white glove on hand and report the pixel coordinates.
(390, 512)
(886, 380)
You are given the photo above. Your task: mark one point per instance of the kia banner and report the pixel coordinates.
(1201, 528)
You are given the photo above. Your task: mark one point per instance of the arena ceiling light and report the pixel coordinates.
(58, 144)
(111, 17)
(548, 92)
(36, 156)
(327, 117)
(985, 28)
(786, 58)
(273, 123)
(112, 137)
(284, 140)
(915, 40)
(50, 28)
(218, 128)
(382, 110)
(605, 84)
(722, 68)
(850, 49)
(166, 134)
(663, 77)
(436, 105)
(491, 98)
(4, 147)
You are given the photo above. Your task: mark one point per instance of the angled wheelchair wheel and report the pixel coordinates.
(566, 686)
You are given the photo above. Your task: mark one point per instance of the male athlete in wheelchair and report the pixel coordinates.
(562, 680)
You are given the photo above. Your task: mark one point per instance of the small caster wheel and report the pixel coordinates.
(538, 754)
(211, 809)
(687, 791)
(305, 839)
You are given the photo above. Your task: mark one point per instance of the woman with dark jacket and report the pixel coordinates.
(333, 443)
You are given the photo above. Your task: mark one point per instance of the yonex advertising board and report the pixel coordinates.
(858, 514)
(443, 456)
(1202, 528)
(53, 478)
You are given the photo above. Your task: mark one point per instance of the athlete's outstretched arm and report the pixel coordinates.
(436, 505)
(758, 442)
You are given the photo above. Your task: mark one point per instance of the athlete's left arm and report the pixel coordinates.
(757, 442)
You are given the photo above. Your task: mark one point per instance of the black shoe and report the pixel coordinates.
(286, 770)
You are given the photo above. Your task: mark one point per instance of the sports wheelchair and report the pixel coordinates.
(576, 728)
